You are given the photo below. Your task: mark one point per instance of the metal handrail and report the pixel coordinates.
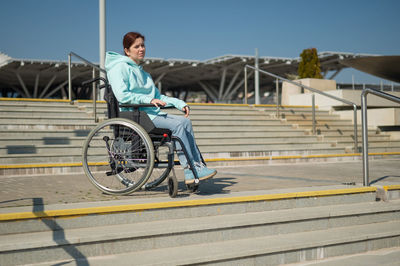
(364, 121)
(313, 101)
(93, 76)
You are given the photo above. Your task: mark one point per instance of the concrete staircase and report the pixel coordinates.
(331, 128)
(263, 229)
(237, 131)
(46, 137)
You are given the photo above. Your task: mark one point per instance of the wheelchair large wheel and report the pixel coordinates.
(118, 156)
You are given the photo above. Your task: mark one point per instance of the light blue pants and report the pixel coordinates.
(181, 127)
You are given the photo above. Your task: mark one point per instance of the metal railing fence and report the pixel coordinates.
(95, 67)
(356, 149)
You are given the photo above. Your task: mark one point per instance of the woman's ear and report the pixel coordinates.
(126, 51)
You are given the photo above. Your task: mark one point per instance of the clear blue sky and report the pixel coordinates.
(188, 29)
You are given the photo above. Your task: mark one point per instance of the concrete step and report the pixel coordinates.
(29, 113)
(309, 140)
(371, 137)
(57, 155)
(238, 147)
(276, 149)
(333, 132)
(61, 153)
(288, 140)
(48, 118)
(38, 134)
(385, 256)
(41, 149)
(329, 122)
(15, 141)
(251, 134)
(204, 146)
(203, 127)
(288, 108)
(339, 128)
(85, 214)
(308, 116)
(380, 149)
(47, 106)
(42, 158)
(238, 118)
(308, 154)
(47, 125)
(213, 231)
(245, 122)
(19, 103)
(268, 250)
(372, 143)
(23, 141)
(59, 149)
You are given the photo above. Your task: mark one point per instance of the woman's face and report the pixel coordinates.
(137, 51)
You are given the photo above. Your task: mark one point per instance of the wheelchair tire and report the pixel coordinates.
(118, 156)
(172, 186)
(157, 177)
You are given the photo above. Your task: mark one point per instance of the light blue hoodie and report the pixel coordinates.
(132, 85)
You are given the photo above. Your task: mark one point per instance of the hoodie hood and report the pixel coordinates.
(113, 58)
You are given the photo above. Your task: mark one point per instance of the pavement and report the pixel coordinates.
(70, 189)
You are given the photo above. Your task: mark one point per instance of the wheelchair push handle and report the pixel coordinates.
(87, 82)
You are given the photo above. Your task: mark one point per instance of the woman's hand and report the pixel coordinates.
(186, 110)
(158, 102)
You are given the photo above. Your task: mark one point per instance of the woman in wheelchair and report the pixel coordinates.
(132, 85)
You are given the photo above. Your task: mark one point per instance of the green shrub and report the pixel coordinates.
(309, 66)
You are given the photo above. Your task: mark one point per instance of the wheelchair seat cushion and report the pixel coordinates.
(160, 132)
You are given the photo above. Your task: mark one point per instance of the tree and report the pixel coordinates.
(309, 66)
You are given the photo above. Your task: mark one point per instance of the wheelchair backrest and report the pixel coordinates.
(112, 102)
(113, 110)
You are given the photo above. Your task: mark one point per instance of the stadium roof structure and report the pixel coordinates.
(387, 67)
(221, 78)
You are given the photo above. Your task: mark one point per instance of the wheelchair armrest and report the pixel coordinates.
(136, 106)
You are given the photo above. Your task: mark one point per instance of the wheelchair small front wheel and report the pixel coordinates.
(172, 186)
(118, 156)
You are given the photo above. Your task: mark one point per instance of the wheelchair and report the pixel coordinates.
(127, 152)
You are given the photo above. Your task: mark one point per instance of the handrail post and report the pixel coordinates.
(365, 137)
(256, 80)
(277, 98)
(365, 125)
(313, 114)
(245, 85)
(356, 150)
(94, 96)
(69, 79)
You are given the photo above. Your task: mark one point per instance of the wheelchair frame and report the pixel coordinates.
(122, 154)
